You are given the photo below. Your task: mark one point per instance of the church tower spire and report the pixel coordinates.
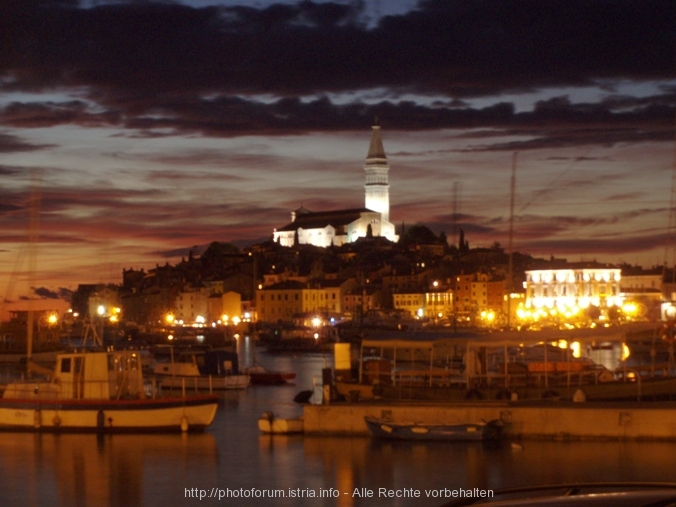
(377, 189)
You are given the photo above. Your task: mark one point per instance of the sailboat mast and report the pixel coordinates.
(669, 245)
(510, 272)
(33, 230)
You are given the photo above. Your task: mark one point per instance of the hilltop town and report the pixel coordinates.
(421, 278)
(354, 266)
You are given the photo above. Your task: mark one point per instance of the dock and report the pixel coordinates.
(554, 420)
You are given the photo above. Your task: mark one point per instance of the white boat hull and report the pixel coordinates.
(109, 416)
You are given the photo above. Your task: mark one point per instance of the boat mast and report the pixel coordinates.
(33, 230)
(510, 272)
(669, 247)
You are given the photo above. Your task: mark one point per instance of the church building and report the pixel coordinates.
(326, 228)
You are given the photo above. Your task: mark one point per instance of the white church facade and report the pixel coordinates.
(327, 228)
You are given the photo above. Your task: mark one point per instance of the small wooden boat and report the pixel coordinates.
(418, 431)
(270, 424)
(262, 376)
(102, 392)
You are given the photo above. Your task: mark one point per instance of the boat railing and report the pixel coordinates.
(77, 390)
(439, 377)
(188, 383)
(538, 379)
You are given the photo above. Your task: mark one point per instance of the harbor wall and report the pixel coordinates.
(618, 421)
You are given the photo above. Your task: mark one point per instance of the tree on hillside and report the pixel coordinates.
(419, 235)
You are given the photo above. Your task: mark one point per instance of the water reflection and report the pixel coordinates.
(150, 470)
(110, 470)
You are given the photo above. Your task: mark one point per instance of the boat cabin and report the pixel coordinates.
(217, 363)
(86, 376)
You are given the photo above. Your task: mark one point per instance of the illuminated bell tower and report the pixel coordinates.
(377, 189)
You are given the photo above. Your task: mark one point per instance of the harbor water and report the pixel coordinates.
(233, 464)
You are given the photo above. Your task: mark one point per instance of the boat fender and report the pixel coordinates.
(100, 420)
(184, 424)
(474, 394)
(579, 396)
(56, 421)
(37, 418)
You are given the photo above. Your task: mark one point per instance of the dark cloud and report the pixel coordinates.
(7, 170)
(615, 247)
(11, 144)
(7, 208)
(556, 122)
(553, 123)
(46, 293)
(48, 114)
(160, 69)
(463, 48)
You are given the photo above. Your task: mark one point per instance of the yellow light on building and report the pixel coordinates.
(625, 352)
(630, 309)
(52, 319)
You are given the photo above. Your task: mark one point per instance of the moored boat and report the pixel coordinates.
(202, 370)
(382, 428)
(103, 392)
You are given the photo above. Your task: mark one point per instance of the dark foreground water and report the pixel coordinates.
(232, 460)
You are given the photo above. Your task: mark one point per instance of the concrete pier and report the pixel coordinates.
(551, 420)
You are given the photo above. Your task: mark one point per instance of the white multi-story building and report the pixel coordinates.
(346, 226)
(573, 288)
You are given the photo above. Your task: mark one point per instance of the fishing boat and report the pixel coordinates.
(270, 424)
(382, 428)
(202, 370)
(100, 391)
(262, 376)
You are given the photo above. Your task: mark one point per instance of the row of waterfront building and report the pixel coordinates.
(594, 291)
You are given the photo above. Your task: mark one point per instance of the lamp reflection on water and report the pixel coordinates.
(101, 470)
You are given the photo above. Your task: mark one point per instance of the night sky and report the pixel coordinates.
(151, 127)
